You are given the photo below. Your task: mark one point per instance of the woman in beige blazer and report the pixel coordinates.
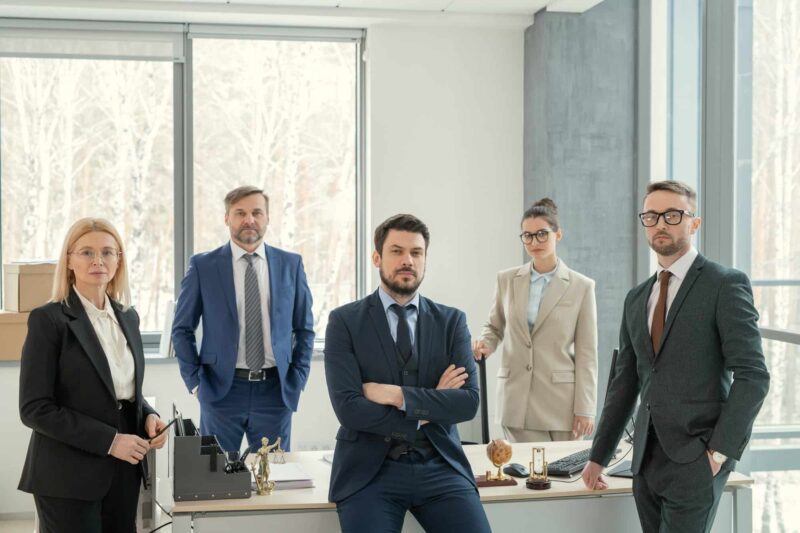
(545, 315)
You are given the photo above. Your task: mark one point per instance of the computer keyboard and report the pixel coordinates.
(571, 464)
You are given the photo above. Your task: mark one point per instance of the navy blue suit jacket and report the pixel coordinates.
(207, 291)
(359, 349)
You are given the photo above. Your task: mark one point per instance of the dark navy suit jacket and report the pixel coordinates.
(207, 291)
(359, 349)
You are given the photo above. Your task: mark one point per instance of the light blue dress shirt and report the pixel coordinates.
(539, 283)
(411, 314)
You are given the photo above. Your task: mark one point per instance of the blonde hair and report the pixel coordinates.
(118, 289)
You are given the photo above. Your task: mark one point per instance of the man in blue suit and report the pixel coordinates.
(258, 331)
(400, 377)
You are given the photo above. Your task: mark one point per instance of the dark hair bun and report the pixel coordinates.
(546, 203)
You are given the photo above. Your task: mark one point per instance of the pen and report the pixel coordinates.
(162, 430)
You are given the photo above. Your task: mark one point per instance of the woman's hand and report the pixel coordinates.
(152, 426)
(582, 426)
(480, 350)
(130, 448)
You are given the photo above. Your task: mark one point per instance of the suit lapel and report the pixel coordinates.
(641, 327)
(225, 269)
(552, 295)
(128, 327)
(425, 327)
(381, 324)
(520, 291)
(274, 265)
(691, 276)
(82, 329)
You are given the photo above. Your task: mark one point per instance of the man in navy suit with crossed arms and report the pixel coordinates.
(401, 376)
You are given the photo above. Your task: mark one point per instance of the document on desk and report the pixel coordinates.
(290, 476)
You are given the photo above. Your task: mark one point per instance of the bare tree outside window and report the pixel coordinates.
(90, 138)
(281, 115)
(775, 236)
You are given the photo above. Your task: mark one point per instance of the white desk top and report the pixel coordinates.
(317, 497)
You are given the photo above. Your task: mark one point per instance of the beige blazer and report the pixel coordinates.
(548, 374)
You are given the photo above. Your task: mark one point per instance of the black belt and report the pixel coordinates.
(256, 375)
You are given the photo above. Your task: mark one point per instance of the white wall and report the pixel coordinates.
(445, 143)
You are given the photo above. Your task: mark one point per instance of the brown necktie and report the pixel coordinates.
(660, 314)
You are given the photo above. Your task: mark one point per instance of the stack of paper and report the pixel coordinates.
(290, 476)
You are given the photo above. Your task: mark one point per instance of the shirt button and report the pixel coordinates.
(648, 406)
(119, 406)
(529, 367)
(387, 439)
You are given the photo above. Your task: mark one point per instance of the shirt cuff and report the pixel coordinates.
(584, 414)
(112, 443)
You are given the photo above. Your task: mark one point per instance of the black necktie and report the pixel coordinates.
(403, 341)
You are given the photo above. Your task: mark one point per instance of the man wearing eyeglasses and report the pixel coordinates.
(691, 350)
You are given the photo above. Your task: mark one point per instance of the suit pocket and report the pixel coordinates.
(346, 434)
(503, 372)
(563, 376)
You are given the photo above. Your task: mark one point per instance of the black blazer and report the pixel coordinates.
(66, 396)
(705, 386)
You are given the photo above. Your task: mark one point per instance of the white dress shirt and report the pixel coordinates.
(115, 346)
(262, 273)
(679, 269)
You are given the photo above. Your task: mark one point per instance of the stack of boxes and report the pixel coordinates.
(25, 287)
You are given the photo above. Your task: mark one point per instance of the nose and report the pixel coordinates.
(97, 259)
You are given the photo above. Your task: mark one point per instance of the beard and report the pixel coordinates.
(401, 288)
(668, 248)
(249, 237)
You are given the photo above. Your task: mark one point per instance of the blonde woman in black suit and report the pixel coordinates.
(81, 391)
(545, 315)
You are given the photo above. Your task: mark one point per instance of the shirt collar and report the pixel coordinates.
(548, 276)
(93, 311)
(681, 267)
(388, 301)
(239, 252)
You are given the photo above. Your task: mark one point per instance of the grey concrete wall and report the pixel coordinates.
(580, 118)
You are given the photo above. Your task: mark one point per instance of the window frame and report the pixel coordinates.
(183, 122)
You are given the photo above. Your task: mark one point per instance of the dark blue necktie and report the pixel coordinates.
(403, 341)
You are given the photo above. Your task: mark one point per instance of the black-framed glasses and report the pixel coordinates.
(541, 236)
(673, 217)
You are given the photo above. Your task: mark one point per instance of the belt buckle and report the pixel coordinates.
(256, 375)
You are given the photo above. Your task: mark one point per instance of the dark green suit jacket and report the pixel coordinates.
(705, 386)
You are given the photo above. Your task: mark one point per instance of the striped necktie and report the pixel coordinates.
(253, 326)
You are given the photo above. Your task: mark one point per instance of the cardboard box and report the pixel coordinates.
(13, 330)
(27, 285)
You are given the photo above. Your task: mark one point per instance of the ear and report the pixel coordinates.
(696, 222)
(558, 235)
(376, 259)
(227, 222)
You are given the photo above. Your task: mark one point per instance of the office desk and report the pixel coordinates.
(564, 507)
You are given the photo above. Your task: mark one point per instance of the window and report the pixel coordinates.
(90, 138)
(767, 185)
(111, 119)
(281, 115)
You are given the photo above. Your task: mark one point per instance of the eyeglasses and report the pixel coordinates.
(108, 255)
(541, 236)
(673, 217)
